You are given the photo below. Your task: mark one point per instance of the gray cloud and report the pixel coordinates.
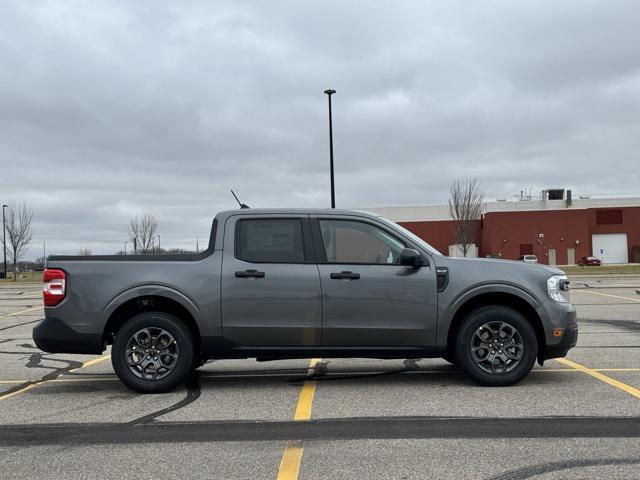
(107, 108)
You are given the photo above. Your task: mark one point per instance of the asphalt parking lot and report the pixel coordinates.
(66, 416)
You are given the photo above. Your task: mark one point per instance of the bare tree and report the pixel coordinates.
(142, 230)
(465, 205)
(18, 224)
(85, 252)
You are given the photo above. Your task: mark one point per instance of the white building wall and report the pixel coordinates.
(441, 212)
(457, 251)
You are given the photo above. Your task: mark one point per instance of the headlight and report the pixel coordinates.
(558, 288)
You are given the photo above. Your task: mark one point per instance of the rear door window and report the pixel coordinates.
(270, 241)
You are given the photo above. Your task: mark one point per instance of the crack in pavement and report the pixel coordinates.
(322, 374)
(19, 324)
(193, 393)
(35, 361)
(633, 325)
(541, 469)
(354, 428)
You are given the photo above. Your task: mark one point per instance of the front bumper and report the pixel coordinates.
(564, 318)
(54, 336)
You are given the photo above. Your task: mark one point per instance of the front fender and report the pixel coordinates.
(446, 314)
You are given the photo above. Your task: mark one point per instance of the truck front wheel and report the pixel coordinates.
(496, 346)
(153, 353)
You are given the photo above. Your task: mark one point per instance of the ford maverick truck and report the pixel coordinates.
(278, 284)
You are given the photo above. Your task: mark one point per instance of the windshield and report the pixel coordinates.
(412, 236)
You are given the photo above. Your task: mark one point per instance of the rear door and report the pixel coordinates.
(368, 299)
(270, 288)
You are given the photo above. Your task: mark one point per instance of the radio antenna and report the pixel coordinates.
(242, 205)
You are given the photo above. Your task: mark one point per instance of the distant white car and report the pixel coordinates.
(528, 258)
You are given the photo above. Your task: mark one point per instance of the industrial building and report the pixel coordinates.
(554, 226)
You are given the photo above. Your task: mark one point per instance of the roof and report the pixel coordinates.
(294, 211)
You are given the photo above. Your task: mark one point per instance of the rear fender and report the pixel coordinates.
(147, 290)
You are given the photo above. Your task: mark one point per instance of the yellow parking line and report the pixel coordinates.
(292, 456)
(290, 463)
(85, 379)
(612, 296)
(65, 380)
(595, 374)
(303, 409)
(92, 362)
(112, 378)
(594, 369)
(305, 401)
(21, 311)
(617, 369)
(4, 396)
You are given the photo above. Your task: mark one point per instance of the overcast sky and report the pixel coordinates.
(109, 108)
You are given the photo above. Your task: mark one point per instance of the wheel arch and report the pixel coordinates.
(165, 300)
(518, 302)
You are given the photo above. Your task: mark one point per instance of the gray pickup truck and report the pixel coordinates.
(277, 284)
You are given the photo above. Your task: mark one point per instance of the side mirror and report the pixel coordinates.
(411, 258)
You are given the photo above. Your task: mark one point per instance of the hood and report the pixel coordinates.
(499, 264)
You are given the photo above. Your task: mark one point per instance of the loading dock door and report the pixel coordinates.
(611, 247)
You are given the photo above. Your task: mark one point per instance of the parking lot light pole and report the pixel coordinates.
(333, 191)
(4, 241)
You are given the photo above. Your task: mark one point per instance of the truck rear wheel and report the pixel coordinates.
(496, 346)
(153, 353)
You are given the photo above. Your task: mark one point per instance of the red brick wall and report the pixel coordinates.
(440, 234)
(503, 232)
(630, 226)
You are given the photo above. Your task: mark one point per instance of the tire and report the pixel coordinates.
(482, 330)
(143, 336)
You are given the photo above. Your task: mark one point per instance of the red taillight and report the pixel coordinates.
(54, 287)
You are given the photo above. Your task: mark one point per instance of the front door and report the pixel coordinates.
(270, 290)
(368, 299)
(552, 256)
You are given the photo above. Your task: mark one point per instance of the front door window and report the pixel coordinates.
(354, 242)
